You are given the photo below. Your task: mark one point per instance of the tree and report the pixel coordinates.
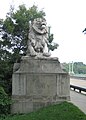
(51, 45)
(84, 31)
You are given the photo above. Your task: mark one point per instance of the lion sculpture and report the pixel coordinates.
(38, 38)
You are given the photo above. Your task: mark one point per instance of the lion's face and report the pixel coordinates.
(39, 25)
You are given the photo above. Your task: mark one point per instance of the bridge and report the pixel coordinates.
(78, 98)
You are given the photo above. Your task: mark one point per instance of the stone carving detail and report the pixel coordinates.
(38, 35)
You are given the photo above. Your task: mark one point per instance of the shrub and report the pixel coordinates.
(5, 102)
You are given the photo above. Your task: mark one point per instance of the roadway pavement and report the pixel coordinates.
(77, 98)
(78, 82)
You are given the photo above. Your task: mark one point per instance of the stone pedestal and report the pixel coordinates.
(38, 82)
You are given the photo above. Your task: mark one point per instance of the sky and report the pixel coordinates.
(67, 19)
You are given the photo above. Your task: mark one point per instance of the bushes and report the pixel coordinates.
(5, 102)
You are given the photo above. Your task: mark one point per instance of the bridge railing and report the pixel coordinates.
(78, 88)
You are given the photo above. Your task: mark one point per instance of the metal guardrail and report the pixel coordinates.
(75, 77)
(78, 88)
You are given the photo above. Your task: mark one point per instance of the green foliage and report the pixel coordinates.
(51, 45)
(78, 67)
(63, 111)
(5, 101)
(6, 67)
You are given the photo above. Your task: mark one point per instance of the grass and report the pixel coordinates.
(63, 111)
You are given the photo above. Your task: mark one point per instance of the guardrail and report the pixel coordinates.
(78, 88)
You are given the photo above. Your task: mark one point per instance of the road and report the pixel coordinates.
(76, 98)
(78, 82)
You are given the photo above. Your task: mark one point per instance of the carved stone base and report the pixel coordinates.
(38, 82)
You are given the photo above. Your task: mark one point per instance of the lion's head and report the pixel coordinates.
(39, 25)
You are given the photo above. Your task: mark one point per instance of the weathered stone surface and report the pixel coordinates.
(37, 83)
(38, 38)
(39, 65)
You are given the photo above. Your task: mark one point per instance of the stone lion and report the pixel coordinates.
(38, 35)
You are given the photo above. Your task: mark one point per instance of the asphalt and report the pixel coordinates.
(78, 100)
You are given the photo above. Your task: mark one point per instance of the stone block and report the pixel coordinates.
(38, 82)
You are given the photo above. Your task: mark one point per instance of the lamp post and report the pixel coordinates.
(69, 67)
(72, 68)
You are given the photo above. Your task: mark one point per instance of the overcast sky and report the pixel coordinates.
(67, 19)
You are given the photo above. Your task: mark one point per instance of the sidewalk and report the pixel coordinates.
(78, 100)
